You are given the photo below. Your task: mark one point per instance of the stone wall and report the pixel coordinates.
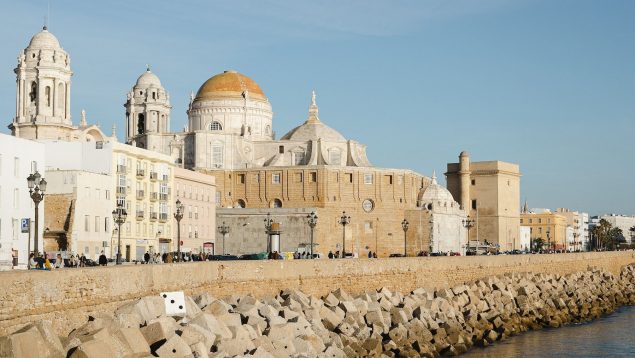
(67, 296)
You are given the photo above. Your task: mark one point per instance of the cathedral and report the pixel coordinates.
(229, 135)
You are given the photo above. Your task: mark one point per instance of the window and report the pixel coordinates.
(217, 156)
(240, 203)
(33, 166)
(368, 178)
(47, 94)
(86, 223)
(335, 157)
(16, 198)
(16, 167)
(298, 158)
(473, 181)
(276, 203)
(281, 149)
(368, 227)
(298, 177)
(16, 229)
(349, 177)
(107, 194)
(96, 223)
(313, 177)
(106, 226)
(215, 126)
(241, 180)
(474, 204)
(267, 129)
(218, 198)
(275, 178)
(388, 179)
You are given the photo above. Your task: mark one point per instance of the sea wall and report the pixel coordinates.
(66, 297)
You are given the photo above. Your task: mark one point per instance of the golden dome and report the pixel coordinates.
(229, 84)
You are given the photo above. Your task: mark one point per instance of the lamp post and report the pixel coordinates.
(404, 226)
(37, 187)
(224, 230)
(178, 215)
(549, 240)
(268, 223)
(468, 223)
(119, 217)
(344, 220)
(312, 220)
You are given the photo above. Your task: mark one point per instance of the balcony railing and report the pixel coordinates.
(163, 197)
(153, 216)
(163, 217)
(121, 169)
(141, 173)
(121, 190)
(154, 196)
(139, 215)
(140, 194)
(153, 175)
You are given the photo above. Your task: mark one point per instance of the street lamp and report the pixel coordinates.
(312, 220)
(344, 220)
(404, 226)
(549, 240)
(37, 187)
(178, 215)
(119, 217)
(223, 229)
(468, 223)
(268, 223)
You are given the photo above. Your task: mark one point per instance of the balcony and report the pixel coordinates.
(140, 194)
(121, 169)
(163, 197)
(154, 196)
(140, 215)
(164, 178)
(153, 216)
(163, 217)
(141, 173)
(121, 190)
(153, 176)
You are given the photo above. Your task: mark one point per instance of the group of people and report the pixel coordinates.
(301, 256)
(42, 262)
(170, 257)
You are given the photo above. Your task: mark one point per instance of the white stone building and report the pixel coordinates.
(623, 222)
(18, 159)
(447, 232)
(525, 238)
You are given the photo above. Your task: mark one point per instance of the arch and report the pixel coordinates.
(33, 93)
(240, 203)
(276, 203)
(141, 123)
(94, 134)
(47, 95)
(215, 126)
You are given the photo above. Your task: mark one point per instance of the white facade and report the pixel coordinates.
(525, 238)
(92, 229)
(623, 222)
(18, 159)
(583, 233)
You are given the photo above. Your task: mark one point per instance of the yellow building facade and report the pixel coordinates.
(548, 226)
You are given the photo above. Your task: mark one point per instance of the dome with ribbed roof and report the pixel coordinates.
(435, 193)
(148, 79)
(229, 84)
(44, 40)
(313, 128)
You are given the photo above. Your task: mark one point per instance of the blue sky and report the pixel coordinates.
(547, 84)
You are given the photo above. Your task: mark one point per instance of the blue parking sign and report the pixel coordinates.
(24, 225)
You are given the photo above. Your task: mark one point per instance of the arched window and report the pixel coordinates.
(298, 158)
(276, 203)
(47, 94)
(240, 203)
(154, 95)
(217, 156)
(141, 123)
(215, 126)
(268, 129)
(33, 93)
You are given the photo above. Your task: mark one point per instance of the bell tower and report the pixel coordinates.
(43, 87)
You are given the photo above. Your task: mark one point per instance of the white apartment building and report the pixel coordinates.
(18, 159)
(623, 222)
(88, 197)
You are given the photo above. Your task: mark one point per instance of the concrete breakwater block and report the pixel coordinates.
(422, 323)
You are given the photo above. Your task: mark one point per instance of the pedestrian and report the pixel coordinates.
(169, 258)
(375, 254)
(370, 254)
(32, 263)
(59, 262)
(337, 254)
(82, 261)
(103, 261)
(146, 257)
(47, 264)
(330, 255)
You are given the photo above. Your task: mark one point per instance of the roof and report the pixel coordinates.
(229, 84)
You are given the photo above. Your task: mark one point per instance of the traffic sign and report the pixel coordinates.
(24, 225)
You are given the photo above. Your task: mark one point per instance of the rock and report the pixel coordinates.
(203, 300)
(26, 342)
(193, 333)
(217, 308)
(330, 300)
(330, 319)
(209, 322)
(133, 340)
(199, 350)
(95, 348)
(158, 330)
(174, 347)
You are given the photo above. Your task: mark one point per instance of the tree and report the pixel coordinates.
(601, 233)
(632, 230)
(538, 244)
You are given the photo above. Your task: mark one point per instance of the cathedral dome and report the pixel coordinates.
(148, 79)
(229, 84)
(313, 128)
(435, 193)
(44, 39)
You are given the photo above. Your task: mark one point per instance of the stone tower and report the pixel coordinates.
(147, 110)
(43, 88)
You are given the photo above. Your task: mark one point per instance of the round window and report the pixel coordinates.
(368, 205)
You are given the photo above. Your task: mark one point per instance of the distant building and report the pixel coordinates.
(490, 193)
(579, 222)
(525, 238)
(625, 223)
(551, 228)
(18, 159)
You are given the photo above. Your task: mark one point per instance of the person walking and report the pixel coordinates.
(146, 258)
(103, 261)
(330, 255)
